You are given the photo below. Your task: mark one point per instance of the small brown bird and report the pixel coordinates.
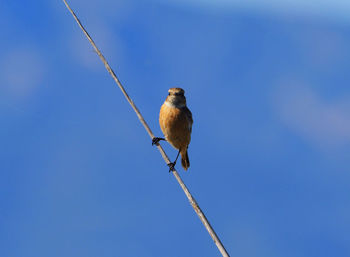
(175, 121)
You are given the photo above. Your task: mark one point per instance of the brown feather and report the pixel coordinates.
(175, 121)
(176, 126)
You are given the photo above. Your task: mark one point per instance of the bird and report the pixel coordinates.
(175, 121)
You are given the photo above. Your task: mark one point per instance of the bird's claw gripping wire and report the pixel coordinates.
(171, 166)
(156, 140)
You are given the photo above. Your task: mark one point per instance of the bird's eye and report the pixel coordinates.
(169, 94)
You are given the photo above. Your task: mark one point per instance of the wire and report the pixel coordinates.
(150, 133)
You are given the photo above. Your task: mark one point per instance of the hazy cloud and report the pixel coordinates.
(337, 10)
(106, 41)
(324, 123)
(93, 11)
(21, 72)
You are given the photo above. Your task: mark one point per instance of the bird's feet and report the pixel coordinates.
(156, 140)
(171, 166)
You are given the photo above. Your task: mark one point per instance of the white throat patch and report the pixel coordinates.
(173, 105)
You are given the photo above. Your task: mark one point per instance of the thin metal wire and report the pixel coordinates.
(193, 202)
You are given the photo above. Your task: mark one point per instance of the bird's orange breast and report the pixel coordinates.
(175, 126)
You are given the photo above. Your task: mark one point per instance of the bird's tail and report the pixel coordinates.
(184, 159)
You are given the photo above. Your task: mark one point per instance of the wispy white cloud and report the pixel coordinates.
(337, 10)
(106, 40)
(322, 122)
(97, 10)
(98, 18)
(21, 72)
(91, 12)
(321, 49)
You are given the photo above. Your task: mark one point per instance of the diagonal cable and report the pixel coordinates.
(193, 202)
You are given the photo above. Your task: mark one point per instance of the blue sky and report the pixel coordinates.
(268, 86)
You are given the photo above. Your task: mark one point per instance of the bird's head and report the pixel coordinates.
(176, 97)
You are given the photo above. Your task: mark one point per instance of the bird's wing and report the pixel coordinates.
(188, 117)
